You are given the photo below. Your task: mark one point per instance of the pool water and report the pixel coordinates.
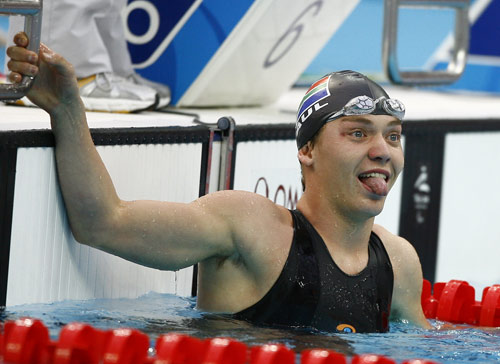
(156, 314)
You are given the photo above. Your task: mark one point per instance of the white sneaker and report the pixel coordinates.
(162, 90)
(109, 92)
(24, 101)
(112, 93)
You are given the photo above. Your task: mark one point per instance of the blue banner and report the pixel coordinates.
(198, 27)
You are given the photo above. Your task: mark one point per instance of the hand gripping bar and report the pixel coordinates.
(32, 11)
(458, 55)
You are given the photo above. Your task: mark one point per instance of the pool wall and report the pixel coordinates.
(45, 263)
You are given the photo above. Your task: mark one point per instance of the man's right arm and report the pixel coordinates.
(157, 234)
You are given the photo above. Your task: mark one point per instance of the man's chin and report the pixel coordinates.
(373, 207)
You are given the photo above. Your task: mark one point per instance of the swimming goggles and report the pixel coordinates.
(362, 105)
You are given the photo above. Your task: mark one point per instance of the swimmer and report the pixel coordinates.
(325, 265)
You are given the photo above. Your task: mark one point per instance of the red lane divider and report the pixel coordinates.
(126, 346)
(26, 341)
(224, 351)
(80, 343)
(455, 302)
(321, 356)
(371, 359)
(272, 354)
(490, 310)
(179, 349)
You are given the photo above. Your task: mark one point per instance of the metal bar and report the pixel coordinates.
(226, 125)
(8, 7)
(458, 59)
(32, 11)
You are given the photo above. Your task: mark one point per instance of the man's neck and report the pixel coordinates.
(339, 229)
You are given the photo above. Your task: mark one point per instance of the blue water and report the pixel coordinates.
(156, 314)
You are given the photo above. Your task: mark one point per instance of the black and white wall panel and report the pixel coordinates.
(41, 261)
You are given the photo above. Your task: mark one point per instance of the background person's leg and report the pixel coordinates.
(112, 32)
(74, 29)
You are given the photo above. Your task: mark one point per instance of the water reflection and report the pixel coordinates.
(211, 325)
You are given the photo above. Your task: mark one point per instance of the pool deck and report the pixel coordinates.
(420, 105)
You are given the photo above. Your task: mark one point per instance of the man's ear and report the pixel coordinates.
(305, 154)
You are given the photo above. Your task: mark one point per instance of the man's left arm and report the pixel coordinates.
(408, 279)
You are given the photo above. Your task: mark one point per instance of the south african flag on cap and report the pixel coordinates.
(318, 91)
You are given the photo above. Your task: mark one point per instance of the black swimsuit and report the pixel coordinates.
(312, 291)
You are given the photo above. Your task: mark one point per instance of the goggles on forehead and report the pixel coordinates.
(362, 105)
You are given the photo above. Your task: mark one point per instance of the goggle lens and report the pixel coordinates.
(362, 105)
(359, 105)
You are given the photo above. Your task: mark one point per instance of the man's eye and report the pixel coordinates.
(394, 137)
(357, 134)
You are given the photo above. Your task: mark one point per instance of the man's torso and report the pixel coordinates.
(242, 288)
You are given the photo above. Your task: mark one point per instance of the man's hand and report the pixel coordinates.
(55, 87)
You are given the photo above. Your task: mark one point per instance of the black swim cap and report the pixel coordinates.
(328, 96)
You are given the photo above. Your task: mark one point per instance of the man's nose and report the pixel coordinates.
(379, 150)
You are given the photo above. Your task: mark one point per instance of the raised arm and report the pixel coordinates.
(406, 298)
(156, 234)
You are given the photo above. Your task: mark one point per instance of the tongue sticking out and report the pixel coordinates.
(376, 185)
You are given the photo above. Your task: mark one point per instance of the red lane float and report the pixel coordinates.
(80, 343)
(224, 351)
(321, 356)
(178, 349)
(455, 302)
(371, 359)
(429, 302)
(272, 354)
(25, 341)
(126, 346)
(490, 310)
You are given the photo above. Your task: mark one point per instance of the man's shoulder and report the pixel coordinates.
(392, 242)
(262, 234)
(251, 217)
(243, 204)
(389, 238)
(403, 255)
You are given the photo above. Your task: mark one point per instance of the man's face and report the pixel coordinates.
(357, 159)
